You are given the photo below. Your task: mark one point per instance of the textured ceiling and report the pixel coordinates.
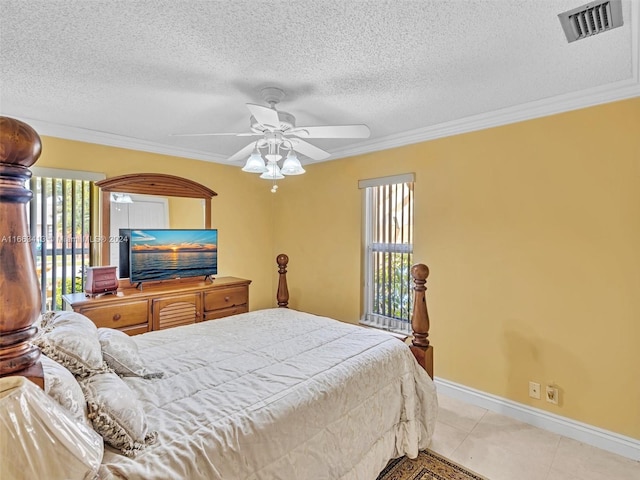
(131, 73)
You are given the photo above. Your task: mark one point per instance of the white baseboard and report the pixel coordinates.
(597, 437)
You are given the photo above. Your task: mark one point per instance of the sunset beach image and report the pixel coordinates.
(166, 254)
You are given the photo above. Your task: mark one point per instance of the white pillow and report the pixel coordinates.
(71, 339)
(121, 353)
(40, 440)
(62, 386)
(116, 413)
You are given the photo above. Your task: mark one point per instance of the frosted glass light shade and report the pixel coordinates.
(291, 165)
(273, 172)
(255, 163)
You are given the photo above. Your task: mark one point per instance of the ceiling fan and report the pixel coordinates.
(278, 131)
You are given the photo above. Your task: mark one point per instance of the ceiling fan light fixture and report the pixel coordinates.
(272, 157)
(276, 127)
(255, 163)
(292, 165)
(273, 172)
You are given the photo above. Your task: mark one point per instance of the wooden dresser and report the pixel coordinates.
(164, 305)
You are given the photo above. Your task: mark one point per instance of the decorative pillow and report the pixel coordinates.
(71, 339)
(62, 386)
(116, 413)
(121, 353)
(44, 321)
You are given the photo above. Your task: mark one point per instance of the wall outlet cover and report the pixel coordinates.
(534, 390)
(552, 394)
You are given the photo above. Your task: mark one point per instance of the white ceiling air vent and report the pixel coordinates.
(592, 18)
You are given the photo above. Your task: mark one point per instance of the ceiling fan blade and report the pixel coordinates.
(331, 131)
(309, 150)
(264, 115)
(243, 153)
(213, 134)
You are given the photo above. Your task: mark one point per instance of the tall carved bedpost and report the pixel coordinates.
(420, 346)
(20, 302)
(283, 291)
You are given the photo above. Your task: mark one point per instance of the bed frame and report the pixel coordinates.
(20, 301)
(420, 346)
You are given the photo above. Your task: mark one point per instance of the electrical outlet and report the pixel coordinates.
(552, 394)
(534, 390)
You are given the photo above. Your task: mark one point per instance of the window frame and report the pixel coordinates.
(369, 317)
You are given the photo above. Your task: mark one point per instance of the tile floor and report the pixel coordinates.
(502, 448)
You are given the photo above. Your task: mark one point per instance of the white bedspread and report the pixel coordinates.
(277, 394)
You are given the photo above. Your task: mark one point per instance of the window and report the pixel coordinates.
(60, 227)
(388, 252)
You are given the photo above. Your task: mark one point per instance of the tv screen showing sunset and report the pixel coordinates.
(169, 254)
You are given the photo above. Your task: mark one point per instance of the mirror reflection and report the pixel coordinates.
(128, 210)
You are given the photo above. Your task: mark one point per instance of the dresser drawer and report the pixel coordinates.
(225, 312)
(225, 298)
(117, 316)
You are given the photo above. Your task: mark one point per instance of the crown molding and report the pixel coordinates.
(564, 103)
(109, 139)
(574, 101)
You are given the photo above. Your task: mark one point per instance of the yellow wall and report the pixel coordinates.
(186, 212)
(241, 212)
(532, 235)
(531, 232)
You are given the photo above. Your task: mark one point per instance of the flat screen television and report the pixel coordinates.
(163, 254)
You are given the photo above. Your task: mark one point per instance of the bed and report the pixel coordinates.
(269, 394)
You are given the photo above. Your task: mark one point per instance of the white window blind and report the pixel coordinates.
(59, 225)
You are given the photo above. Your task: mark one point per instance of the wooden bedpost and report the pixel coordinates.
(20, 299)
(420, 346)
(283, 291)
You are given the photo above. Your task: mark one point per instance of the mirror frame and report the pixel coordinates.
(147, 184)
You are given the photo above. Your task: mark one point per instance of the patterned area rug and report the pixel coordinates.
(428, 466)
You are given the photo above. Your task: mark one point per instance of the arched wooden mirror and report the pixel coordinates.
(156, 184)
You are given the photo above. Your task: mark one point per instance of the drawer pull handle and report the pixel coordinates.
(117, 317)
(226, 299)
